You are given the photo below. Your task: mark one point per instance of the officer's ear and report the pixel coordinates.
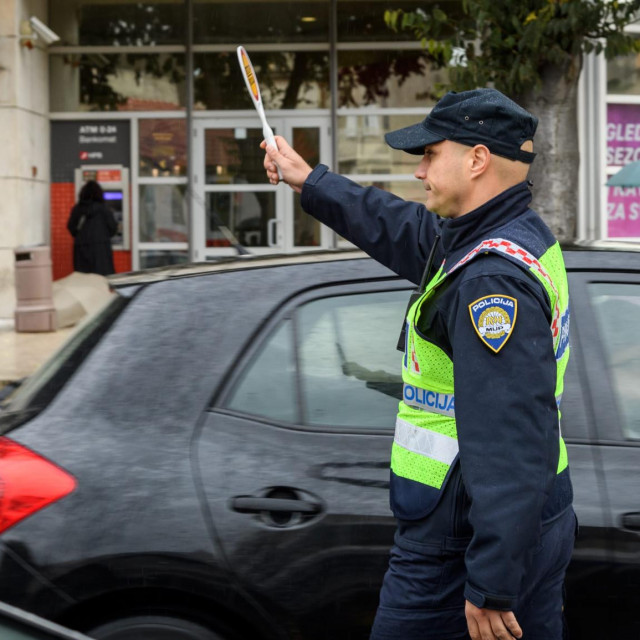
(479, 160)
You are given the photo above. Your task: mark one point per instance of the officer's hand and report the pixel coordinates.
(293, 168)
(487, 624)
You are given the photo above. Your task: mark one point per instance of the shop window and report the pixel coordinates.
(240, 21)
(233, 156)
(117, 82)
(306, 229)
(118, 22)
(163, 213)
(411, 190)
(623, 75)
(151, 258)
(162, 147)
(387, 78)
(623, 147)
(246, 215)
(361, 145)
(293, 80)
(363, 20)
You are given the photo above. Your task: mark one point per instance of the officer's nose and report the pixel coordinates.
(421, 170)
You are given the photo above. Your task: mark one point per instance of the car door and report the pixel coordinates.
(608, 326)
(294, 457)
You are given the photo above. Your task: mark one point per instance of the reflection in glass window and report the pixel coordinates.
(249, 21)
(118, 22)
(617, 308)
(268, 387)
(412, 191)
(361, 145)
(349, 365)
(163, 213)
(306, 229)
(162, 147)
(623, 74)
(246, 214)
(233, 156)
(117, 82)
(363, 20)
(387, 78)
(150, 258)
(293, 80)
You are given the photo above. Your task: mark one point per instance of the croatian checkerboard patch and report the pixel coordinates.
(493, 318)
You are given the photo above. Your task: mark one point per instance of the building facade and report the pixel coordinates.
(148, 98)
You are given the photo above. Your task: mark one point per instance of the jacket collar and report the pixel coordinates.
(483, 222)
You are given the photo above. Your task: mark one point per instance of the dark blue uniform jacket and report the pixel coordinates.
(504, 488)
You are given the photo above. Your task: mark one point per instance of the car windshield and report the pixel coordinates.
(37, 391)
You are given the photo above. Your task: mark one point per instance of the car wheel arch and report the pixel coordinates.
(224, 622)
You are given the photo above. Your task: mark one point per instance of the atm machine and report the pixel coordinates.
(114, 180)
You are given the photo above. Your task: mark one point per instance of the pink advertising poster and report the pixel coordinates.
(623, 147)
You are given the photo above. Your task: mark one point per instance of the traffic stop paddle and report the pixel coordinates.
(251, 80)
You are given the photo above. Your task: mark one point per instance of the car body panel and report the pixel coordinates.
(16, 624)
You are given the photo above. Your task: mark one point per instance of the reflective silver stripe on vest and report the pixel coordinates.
(425, 442)
(432, 401)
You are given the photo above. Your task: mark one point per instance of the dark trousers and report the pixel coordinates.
(422, 593)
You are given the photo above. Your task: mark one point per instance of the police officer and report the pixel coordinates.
(480, 482)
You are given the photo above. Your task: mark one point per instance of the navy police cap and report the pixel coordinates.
(480, 116)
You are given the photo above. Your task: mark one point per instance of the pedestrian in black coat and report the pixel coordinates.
(92, 224)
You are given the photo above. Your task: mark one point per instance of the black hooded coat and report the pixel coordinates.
(92, 224)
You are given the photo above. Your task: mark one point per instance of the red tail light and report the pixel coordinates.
(28, 483)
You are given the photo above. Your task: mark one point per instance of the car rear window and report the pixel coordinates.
(38, 390)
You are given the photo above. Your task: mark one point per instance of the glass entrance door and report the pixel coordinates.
(234, 204)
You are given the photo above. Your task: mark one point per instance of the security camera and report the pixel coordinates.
(42, 31)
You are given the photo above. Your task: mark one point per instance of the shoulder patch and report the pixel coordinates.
(493, 318)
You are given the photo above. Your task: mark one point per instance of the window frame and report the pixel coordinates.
(288, 312)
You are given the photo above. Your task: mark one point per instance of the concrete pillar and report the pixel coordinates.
(24, 141)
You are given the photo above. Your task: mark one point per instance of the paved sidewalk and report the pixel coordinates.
(22, 353)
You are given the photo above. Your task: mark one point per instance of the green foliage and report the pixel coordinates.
(508, 43)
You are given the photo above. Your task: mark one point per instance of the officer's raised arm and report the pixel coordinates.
(396, 233)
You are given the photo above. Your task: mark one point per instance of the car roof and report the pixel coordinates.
(603, 254)
(232, 263)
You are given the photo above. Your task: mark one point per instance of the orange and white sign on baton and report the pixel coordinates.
(251, 81)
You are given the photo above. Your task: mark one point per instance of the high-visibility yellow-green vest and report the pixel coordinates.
(426, 442)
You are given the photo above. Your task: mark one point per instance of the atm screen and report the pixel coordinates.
(114, 202)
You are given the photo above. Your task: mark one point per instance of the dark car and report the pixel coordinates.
(208, 456)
